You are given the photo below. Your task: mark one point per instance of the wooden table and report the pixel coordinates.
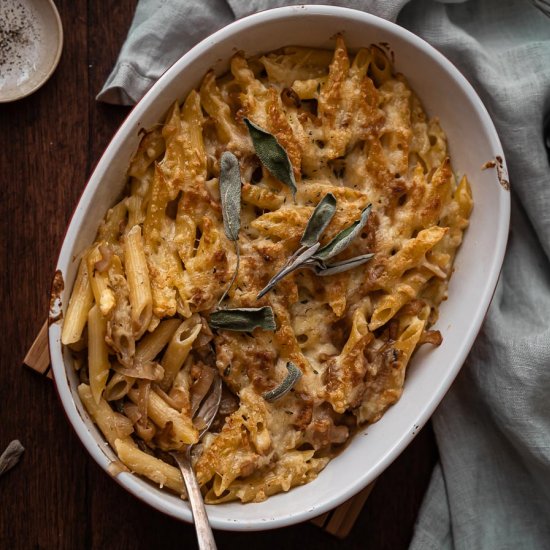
(57, 497)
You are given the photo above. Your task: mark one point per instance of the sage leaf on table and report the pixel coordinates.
(230, 196)
(243, 319)
(10, 457)
(314, 257)
(272, 155)
(294, 374)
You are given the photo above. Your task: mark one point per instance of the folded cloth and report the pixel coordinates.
(161, 32)
(491, 488)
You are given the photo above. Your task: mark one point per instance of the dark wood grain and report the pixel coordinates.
(57, 497)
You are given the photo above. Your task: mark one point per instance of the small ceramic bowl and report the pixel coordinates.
(473, 141)
(31, 40)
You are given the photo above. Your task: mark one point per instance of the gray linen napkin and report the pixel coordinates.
(491, 488)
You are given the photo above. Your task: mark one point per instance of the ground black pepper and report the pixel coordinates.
(18, 30)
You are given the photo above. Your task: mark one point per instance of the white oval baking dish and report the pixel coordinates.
(473, 141)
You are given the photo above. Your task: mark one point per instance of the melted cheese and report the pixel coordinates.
(350, 128)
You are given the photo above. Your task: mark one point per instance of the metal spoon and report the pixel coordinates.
(207, 411)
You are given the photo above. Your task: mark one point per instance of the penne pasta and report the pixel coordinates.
(178, 349)
(161, 413)
(154, 342)
(118, 387)
(80, 304)
(113, 425)
(138, 281)
(98, 354)
(290, 228)
(152, 468)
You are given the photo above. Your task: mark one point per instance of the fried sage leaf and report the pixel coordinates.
(243, 319)
(272, 155)
(319, 220)
(294, 374)
(343, 239)
(293, 265)
(314, 257)
(230, 194)
(322, 270)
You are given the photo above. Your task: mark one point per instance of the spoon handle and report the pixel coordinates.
(205, 536)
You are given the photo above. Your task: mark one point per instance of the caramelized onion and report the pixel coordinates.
(106, 255)
(149, 370)
(143, 388)
(172, 402)
(432, 337)
(164, 438)
(200, 387)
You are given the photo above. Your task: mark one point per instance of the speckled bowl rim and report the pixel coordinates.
(53, 66)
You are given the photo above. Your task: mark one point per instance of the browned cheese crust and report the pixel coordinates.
(352, 127)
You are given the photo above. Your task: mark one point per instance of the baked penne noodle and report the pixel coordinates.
(380, 67)
(139, 285)
(295, 468)
(80, 303)
(150, 149)
(154, 342)
(136, 211)
(158, 201)
(296, 63)
(212, 102)
(261, 197)
(389, 304)
(463, 196)
(160, 413)
(98, 353)
(156, 470)
(118, 387)
(120, 335)
(111, 229)
(409, 337)
(113, 425)
(179, 392)
(99, 278)
(341, 198)
(178, 349)
(195, 153)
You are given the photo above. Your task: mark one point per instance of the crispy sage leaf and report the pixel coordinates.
(289, 268)
(243, 319)
(230, 194)
(343, 239)
(10, 457)
(294, 374)
(272, 155)
(313, 257)
(319, 220)
(323, 269)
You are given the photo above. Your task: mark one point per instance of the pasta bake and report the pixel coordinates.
(291, 227)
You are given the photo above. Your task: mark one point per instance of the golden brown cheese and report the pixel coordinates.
(352, 127)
